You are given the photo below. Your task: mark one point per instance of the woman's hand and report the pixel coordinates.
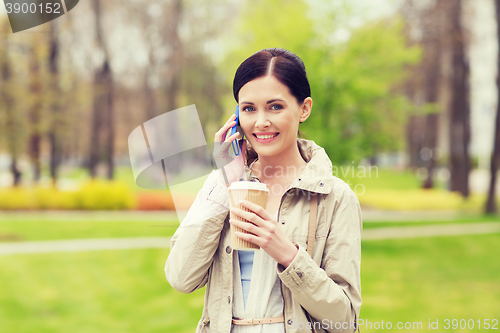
(267, 232)
(232, 169)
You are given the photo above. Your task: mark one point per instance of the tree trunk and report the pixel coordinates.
(149, 94)
(110, 121)
(173, 71)
(102, 117)
(175, 58)
(35, 113)
(56, 124)
(432, 70)
(460, 112)
(415, 136)
(15, 172)
(11, 127)
(491, 206)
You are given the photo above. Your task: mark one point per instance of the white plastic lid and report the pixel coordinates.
(248, 186)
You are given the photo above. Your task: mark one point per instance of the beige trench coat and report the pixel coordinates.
(327, 285)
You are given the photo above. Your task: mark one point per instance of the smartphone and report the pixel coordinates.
(235, 143)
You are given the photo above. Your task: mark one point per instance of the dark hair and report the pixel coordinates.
(287, 67)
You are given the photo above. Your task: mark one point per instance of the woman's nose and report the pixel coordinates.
(262, 120)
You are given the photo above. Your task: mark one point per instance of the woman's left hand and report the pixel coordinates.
(268, 233)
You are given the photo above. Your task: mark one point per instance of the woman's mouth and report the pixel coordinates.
(265, 138)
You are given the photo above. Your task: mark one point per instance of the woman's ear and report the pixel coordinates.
(305, 110)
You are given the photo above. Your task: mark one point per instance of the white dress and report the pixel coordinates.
(265, 299)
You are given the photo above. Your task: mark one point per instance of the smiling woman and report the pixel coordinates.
(281, 286)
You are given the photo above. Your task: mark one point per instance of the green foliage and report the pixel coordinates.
(357, 111)
(265, 24)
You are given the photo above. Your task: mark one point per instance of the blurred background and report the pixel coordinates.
(405, 104)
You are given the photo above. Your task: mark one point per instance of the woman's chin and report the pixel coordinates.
(267, 152)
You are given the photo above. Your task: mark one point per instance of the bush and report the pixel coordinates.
(98, 195)
(95, 195)
(155, 201)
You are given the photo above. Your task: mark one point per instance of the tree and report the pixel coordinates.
(354, 89)
(56, 126)
(12, 126)
(424, 85)
(491, 206)
(357, 110)
(102, 116)
(459, 109)
(36, 106)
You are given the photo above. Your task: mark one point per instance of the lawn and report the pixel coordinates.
(20, 226)
(103, 291)
(126, 291)
(431, 278)
(464, 219)
(23, 226)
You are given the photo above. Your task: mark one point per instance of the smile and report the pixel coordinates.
(265, 138)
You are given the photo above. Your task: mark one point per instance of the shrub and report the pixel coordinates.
(95, 195)
(99, 194)
(154, 201)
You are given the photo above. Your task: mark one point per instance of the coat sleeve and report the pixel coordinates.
(332, 293)
(194, 243)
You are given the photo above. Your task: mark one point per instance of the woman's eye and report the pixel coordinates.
(248, 108)
(276, 107)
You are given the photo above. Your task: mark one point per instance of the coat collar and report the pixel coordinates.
(316, 176)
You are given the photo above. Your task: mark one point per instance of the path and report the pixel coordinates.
(164, 242)
(431, 230)
(74, 245)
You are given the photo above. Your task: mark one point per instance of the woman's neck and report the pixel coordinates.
(280, 168)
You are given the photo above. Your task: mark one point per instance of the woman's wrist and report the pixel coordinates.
(290, 256)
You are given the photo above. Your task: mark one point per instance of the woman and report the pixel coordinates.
(281, 287)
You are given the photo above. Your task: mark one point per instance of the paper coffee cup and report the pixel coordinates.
(251, 191)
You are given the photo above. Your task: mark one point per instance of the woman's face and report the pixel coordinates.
(270, 115)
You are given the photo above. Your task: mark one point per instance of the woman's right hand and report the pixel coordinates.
(231, 169)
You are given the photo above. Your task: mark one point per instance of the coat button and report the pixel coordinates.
(300, 179)
(282, 221)
(228, 249)
(290, 322)
(229, 299)
(321, 184)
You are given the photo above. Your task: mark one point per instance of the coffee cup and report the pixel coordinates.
(254, 192)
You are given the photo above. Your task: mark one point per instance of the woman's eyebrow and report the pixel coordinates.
(268, 102)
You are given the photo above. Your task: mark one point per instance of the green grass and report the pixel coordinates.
(431, 278)
(376, 178)
(22, 226)
(55, 225)
(105, 291)
(126, 291)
